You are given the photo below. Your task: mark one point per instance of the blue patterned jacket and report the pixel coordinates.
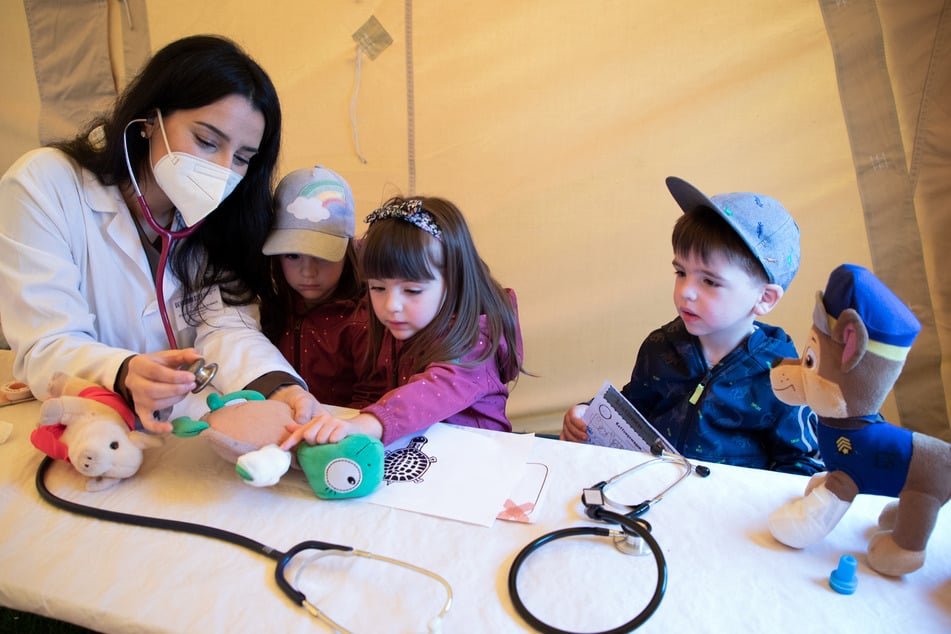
(734, 418)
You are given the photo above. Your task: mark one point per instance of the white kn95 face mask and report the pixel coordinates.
(194, 185)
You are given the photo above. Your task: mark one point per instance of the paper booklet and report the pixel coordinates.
(613, 422)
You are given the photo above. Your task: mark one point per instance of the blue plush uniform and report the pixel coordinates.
(876, 455)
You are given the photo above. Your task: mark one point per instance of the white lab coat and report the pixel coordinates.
(76, 291)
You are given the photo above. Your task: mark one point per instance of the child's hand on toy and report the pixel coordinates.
(325, 428)
(155, 383)
(573, 428)
(303, 404)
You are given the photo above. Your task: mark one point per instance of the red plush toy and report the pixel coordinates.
(93, 429)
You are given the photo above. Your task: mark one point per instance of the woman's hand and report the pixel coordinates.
(155, 382)
(303, 404)
(326, 428)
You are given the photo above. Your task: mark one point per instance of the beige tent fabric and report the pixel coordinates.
(918, 42)
(930, 169)
(552, 124)
(73, 60)
(886, 188)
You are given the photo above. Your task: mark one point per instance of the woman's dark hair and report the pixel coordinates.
(703, 233)
(190, 73)
(396, 249)
(275, 313)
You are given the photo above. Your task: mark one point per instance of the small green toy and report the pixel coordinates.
(350, 468)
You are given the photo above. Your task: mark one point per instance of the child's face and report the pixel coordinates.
(315, 279)
(405, 306)
(715, 298)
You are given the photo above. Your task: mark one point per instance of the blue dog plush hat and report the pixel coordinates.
(891, 325)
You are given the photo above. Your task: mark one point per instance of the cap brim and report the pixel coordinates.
(689, 197)
(313, 243)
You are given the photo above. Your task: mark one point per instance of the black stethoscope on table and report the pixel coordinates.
(283, 558)
(635, 533)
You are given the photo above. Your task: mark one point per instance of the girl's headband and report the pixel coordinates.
(410, 211)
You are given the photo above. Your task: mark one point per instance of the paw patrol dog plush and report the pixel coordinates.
(93, 429)
(856, 349)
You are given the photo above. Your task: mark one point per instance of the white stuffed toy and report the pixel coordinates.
(93, 429)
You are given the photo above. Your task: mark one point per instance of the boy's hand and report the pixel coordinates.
(574, 428)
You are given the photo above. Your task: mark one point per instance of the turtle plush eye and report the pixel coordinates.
(343, 475)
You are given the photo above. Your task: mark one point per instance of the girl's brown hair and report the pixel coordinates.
(396, 249)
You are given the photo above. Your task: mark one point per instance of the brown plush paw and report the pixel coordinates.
(888, 558)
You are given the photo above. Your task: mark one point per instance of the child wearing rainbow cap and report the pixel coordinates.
(319, 321)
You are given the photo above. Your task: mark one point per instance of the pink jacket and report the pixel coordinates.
(452, 392)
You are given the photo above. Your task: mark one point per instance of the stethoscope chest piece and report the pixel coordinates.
(203, 372)
(631, 544)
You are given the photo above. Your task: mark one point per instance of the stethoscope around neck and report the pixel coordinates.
(203, 372)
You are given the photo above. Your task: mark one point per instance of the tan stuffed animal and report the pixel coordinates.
(93, 429)
(244, 428)
(860, 337)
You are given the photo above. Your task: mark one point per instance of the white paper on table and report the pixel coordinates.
(469, 480)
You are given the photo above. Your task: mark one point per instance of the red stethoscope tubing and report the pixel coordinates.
(168, 240)
(203, 373)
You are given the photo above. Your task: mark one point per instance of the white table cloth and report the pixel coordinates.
(726, 573)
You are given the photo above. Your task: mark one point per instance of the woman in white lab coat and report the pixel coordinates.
(78, 258)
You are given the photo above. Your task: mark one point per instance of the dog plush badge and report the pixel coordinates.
(860, 336)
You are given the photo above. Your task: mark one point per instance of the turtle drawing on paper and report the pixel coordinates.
(407, 464)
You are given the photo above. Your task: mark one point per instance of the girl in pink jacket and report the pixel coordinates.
(443, 334)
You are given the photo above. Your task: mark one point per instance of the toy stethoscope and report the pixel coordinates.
(284, 558)
(635, 533)
(203, 372)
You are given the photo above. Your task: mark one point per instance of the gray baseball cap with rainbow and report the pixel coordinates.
(313, 215)
(762, 222)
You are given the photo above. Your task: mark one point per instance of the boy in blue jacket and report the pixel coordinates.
(703, 379)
